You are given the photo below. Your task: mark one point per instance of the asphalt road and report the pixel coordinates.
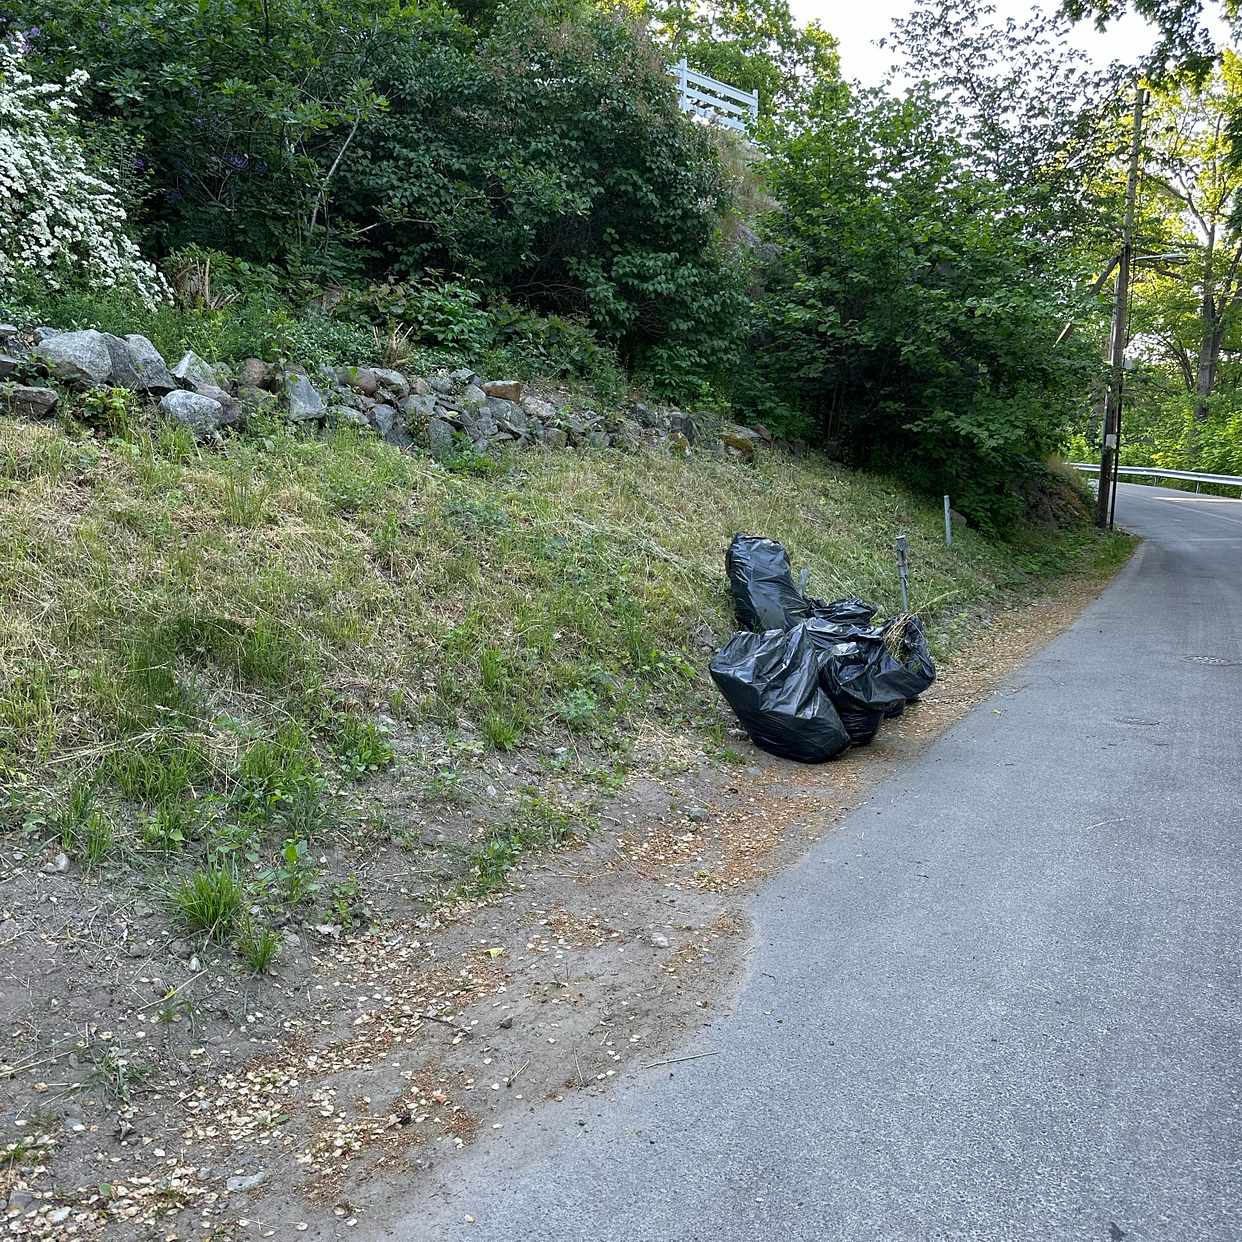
(1001, 1001)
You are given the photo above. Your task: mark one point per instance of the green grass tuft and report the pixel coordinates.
(209, 900)
(258, 946)
(360, 746)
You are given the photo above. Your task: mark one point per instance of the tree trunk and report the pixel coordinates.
(1209, 356)
(1209, 323)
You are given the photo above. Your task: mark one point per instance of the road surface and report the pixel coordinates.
(1001, 1001)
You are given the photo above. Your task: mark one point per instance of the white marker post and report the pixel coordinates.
(902, 547)
(948, 525)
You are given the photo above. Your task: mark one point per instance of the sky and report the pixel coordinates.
(859, 23)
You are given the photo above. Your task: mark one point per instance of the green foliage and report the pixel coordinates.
(295, 876)
(346, 904)
(90, 840)
(503, 726)
(1183, 388)
(234, 111)
(248, 310)
(538, 825)
(169, 829)
(1029, 111)
(120, 1073)
(111, 410)
(209, 899)
(528, 345)
(917, 326)
(280, 778)
(447, 314)
(157, 769)
(594, 198)
(579, 709)
(340, 140)
(258, 946)
(360, 746)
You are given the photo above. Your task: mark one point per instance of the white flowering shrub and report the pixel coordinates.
(58, 219)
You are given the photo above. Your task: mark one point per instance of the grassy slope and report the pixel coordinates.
(192, 642)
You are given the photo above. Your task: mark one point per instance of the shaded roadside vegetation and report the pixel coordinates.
(877, 275)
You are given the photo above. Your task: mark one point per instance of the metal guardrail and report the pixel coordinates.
(713, 101)
(1156, 472)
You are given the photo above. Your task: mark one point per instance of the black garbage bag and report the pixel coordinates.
(764, 594)
(848, 611)
(912, 669)
(847, 662)
(773, 682)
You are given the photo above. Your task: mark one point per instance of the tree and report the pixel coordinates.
(756, 45)
(236, 109)
(1185, 44)
(1030, 111)
(908, 312)
(553, 164)
(1191, 171)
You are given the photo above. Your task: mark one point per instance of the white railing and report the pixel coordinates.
(1155, 472)
(713, 101)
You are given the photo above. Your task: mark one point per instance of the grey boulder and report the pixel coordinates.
(418, 405)
(360, 379)
(79, 358)
(533, 407)
(677, 421)
(393, 382)
(304, 399)
(202, 415)
(191, 370)
(150, 372)
(346, 415)
(254, 399)
(30, 402)
(440, 439)
(382, 418)
(627, 435)
(240, 1182)
(8, 364)
(509, 415)
(232, 406)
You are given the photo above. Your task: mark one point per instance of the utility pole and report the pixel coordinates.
(1121, 316)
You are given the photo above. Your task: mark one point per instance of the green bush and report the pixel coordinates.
(917, 327)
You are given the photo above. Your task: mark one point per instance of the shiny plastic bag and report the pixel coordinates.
(773, 683)
(765, 596)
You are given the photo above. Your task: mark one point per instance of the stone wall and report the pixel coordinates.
(444, 413)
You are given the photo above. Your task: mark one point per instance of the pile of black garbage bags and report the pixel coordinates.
(807, 677)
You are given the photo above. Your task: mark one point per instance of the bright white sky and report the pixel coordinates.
(857, 24)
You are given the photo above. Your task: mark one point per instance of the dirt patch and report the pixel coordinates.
(153, 1090)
